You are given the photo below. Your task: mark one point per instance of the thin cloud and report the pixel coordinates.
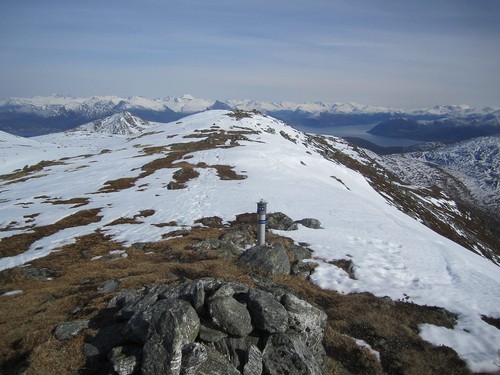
(412, 52)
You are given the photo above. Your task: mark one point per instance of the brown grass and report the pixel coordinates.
(176, 158)
(29, 170)
(226, 172)
(123, 220)
(119, 184)
(495, 322)
(389, 327)
(151, 150)
(239, 114)
(74, 294)
(20, 243)
(76, 202)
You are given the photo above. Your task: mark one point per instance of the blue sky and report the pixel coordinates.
(379, 52)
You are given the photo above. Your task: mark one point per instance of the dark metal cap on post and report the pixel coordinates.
(261, 229)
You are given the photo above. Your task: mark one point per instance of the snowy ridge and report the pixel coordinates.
(121, 123)
(394, 255)
(16, 152)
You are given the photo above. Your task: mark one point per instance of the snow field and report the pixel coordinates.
(393, 254)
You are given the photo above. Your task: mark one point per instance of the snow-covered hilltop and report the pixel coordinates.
(121, 123)
(219, 164)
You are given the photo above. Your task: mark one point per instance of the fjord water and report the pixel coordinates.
(360, 131)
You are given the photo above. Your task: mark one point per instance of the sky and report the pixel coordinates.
(377, 52)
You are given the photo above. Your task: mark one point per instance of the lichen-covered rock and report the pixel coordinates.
(271, 261)
(207, 244)
(68, 330)
(231, 316)
(216, 364)
(310, 223)
(209, 335)
(253, 364)
(126, 360)
(300, 252)
(239, 237)
(236, 348)
(267, 313)
(211, 327)
(287, 354)
(193, 356)
(170, 330)
(122, 298)
(142, 302)
(229, 289)
(137, 327)
(308, 321)
(280, 221)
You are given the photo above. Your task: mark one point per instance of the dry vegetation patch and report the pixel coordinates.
(29, 170)
(495, 322)
(19, 243)
(152, 150)
(226, 172)
(176, 157)
(389, 327)
(119, 184)
(346, 264)
(239, 114)
(76, 202)
(123, 220)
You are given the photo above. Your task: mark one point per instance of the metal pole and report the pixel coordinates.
(261, 230)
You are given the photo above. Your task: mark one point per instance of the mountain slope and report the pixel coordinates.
(123, 123)
(219, 163)
(475, 163)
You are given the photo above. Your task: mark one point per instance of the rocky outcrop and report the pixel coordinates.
(68, 330)
(310, 223)
(280, 221)
(269, 260)
(210, 326)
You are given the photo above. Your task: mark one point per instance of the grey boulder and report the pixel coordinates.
(271, 261)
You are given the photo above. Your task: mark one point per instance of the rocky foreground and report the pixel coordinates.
(207, 326)
(210, 326)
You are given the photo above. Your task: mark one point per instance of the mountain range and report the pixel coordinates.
(42, 115)
(402, 241)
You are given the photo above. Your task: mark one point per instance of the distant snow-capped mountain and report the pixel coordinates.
(189, 104)
(120, 123)
(42, 115)
(184, 104)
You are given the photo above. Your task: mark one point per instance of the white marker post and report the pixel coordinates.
(261, 230)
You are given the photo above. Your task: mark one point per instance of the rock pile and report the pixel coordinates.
(280, 221)
(208, 327)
